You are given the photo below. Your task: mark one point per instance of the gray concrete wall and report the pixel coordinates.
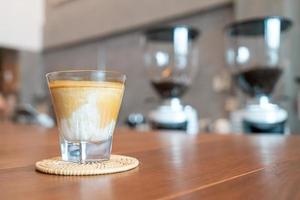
(32, 76)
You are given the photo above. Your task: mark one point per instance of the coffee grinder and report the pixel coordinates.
(171, 60)
(254, 55)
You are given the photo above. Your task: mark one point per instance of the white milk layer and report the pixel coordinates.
(84, 123)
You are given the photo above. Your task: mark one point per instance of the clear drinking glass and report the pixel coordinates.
(255, 54)
(171, 59)
(86, 104)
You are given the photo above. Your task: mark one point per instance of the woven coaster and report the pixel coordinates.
(117, 163)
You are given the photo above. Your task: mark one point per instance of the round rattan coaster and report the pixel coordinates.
(117, 163)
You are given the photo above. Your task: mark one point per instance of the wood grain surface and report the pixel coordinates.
(172, 166)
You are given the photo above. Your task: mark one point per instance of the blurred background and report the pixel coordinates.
(40, 36)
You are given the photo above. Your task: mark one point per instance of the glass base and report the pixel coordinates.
(84, 152)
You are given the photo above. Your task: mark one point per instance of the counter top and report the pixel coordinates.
(172, 166)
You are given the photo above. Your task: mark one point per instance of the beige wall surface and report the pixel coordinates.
(21, 24)
(71, 21)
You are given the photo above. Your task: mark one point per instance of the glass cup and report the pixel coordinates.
(86, 104)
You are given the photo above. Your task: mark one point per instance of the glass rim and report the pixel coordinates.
(116, 73)
(166, 33)
(240, 27)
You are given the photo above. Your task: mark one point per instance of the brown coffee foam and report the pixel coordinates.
(69, 96)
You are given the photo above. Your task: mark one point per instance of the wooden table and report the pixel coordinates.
(172, 166)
